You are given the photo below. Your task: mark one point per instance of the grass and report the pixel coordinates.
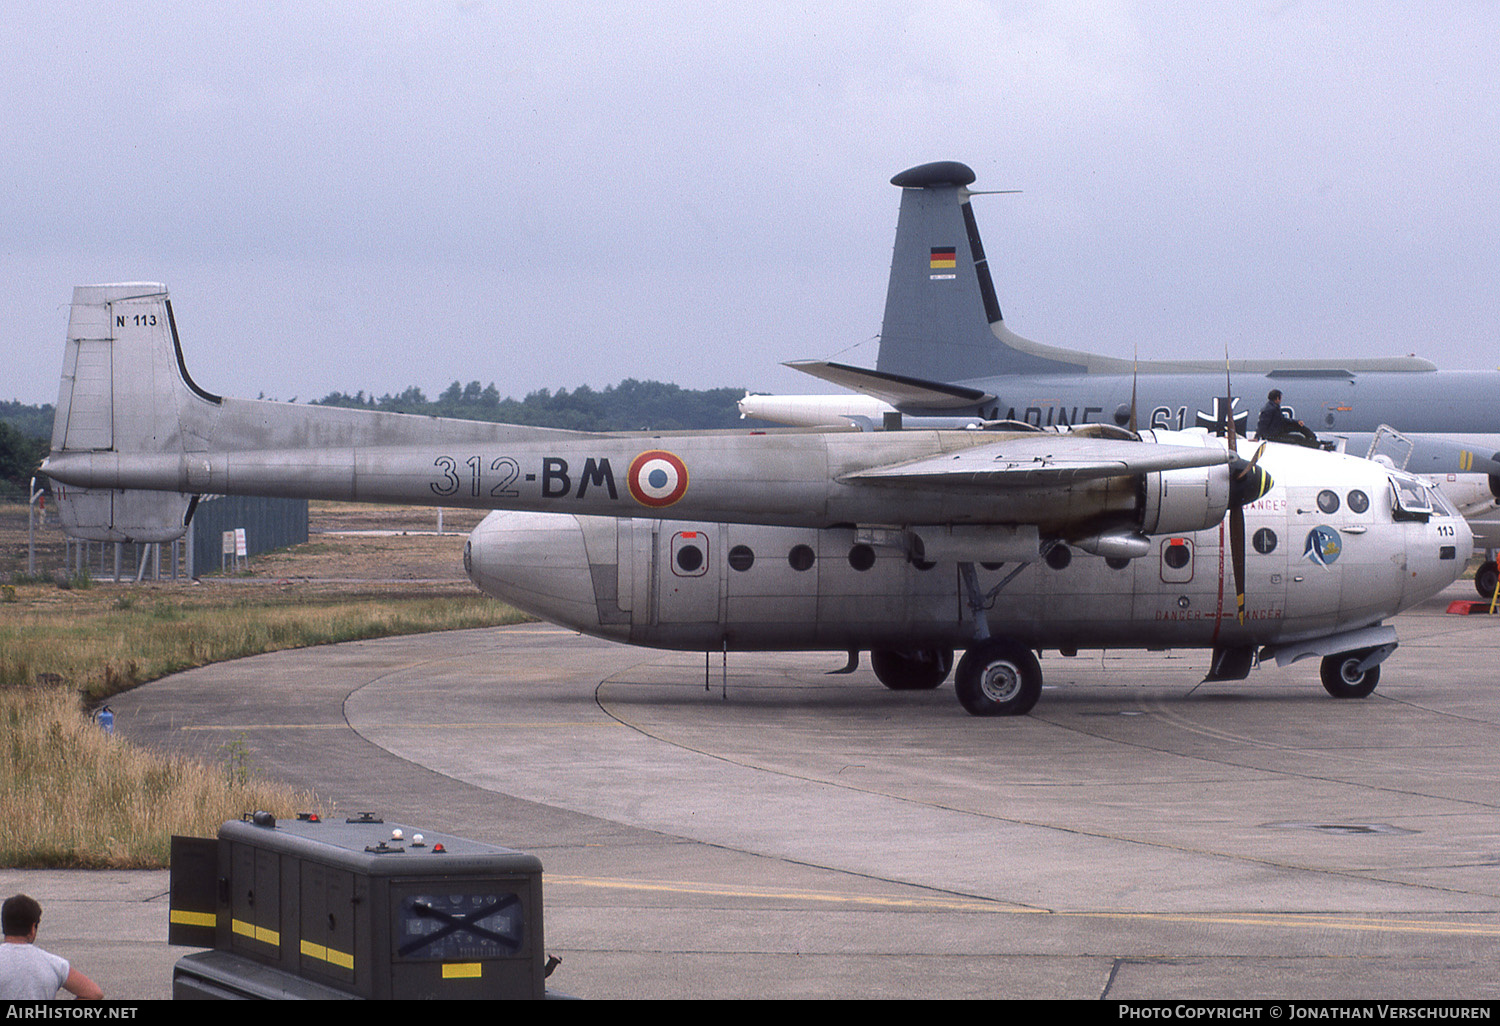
(102, 641)
(72, 796)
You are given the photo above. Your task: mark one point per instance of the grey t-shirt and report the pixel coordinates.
(28, 973)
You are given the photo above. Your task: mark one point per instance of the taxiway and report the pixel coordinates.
(768, 830)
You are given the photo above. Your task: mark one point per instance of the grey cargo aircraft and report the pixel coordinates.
(946, 357)
(747, 540)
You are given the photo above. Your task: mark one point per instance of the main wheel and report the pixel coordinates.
(1485, 578)
(1341, 676)
(998, 677)
(915, 669)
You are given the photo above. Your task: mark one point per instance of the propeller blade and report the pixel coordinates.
(1248, 484)
(1135, 374)
(1228, 403)
(1237, 555)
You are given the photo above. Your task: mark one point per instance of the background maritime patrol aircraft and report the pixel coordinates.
(946, 353)
(892, 541)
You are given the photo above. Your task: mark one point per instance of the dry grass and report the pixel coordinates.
(71, 796)
(100, 641)
(74, 797)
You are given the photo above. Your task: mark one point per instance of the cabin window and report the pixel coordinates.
(689, 553)
(1358, 501)
(1059, 556)
(861, 557)
(741, 558)
(801, 557)
(1264, 541)
(1328, 501)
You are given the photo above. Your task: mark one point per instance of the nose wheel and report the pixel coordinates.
(998, 677)
(1342, 677)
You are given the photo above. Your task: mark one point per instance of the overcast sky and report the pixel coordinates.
(367, 196)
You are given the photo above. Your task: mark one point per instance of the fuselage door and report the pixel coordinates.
(1177, 560)
(689, 572)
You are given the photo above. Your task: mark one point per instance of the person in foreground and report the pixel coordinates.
(27, 972)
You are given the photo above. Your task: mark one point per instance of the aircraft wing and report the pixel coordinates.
(1041, 459)
(896, 389)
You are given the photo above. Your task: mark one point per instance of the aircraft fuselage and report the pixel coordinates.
(1325, 557)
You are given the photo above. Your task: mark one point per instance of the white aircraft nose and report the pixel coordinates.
(536, 562)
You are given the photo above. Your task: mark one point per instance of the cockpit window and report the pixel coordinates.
(1413, 501)
(1440, 503)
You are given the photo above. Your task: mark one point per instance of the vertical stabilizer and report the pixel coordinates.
(120, 363)
(942, 317)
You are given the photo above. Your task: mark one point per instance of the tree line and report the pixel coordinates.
(629, 406)
(26, 431)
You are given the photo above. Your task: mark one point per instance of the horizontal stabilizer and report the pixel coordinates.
(899, 390)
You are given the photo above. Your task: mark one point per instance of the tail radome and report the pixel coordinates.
(122, 390)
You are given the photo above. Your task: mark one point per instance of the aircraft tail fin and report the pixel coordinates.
(123, 389)
(942, 317)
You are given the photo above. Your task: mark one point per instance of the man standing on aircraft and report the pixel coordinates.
(1276, 425)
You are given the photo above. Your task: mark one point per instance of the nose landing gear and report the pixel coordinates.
(1343, 677)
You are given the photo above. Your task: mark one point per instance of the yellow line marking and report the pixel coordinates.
(711, 890)
(1287, 920)
(461, 970)
(185, 918)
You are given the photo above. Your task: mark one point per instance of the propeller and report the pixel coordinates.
(1247, 483)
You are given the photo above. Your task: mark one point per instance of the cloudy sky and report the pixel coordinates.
(367, 196)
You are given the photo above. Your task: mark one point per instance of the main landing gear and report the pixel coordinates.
(917, 669)
(998, 677)
(1485, 579)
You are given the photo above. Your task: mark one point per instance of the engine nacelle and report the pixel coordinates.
(1180, 501)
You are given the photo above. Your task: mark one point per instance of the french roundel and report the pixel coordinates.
(657, 478)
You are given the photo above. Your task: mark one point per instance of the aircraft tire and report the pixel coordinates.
(914, 669)
(998, 677)
(1342, 680)
(1485, 579)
